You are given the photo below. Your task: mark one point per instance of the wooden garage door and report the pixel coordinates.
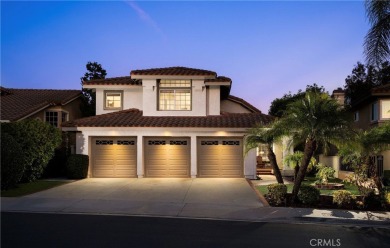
(114, 157)
(220, 157)
(167, 157)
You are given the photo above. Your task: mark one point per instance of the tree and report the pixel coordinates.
(265, 135)
(377, 40)
(279, 105)
(295, 159)
(316, 119)
(94, 71)
(363, 78)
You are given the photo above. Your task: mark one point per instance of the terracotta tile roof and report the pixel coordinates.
(135, 118)
(173, 71)
(244, 103)
(382, 89)
(19, 103)
(218, 79)
(114, 81)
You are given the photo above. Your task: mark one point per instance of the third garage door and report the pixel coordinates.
(167, 157)
(220, 157)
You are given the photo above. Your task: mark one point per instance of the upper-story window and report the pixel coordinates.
(374, 111)
(113, 100)
(174, 95)
(55, 118)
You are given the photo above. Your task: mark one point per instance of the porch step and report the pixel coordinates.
(264, 171)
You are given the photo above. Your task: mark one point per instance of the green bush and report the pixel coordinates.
(386, 177)
(38, 140)
(77, 166)
(343, 198)
(386, 191)
(324, 173)
(276, 193)
(372, 200)
(57, 165)
(12, 162)
(309, 195)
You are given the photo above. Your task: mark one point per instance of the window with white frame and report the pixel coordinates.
(374, 111)
(356, 116)
(174, 95)
(113, 99)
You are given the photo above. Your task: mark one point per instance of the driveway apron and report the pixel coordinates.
(226, 198)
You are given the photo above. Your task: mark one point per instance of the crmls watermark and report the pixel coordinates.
(325, 242)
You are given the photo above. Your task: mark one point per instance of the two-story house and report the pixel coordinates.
(167, 122)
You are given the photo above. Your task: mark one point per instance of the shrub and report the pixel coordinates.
(12, 161)
(386, 191)
(324, 173)
(57, 165)
(309, 195)
(372, 200)
(276, 193)
(38, 140)
(343, 198)
(77, 166)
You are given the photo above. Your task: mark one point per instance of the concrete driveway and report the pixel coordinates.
(223, 198)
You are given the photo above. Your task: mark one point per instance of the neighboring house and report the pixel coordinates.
(51, 106)
(167, 122)
(369, 111)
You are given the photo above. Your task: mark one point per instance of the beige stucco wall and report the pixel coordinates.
(386, 160)
(331, 161)
(233, 107)
(83, 140)
(132, 97)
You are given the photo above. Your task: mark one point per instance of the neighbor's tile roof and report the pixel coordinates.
(219, 79)
(19, 103)
(173, 71)
(244, 103)
(114, 81)
(381, 89)
(135, 118)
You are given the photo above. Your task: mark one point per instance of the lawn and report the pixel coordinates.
(310, 180)
(30, 188)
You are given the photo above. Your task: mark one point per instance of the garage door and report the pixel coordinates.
(114, 157)
(167, 157)
(220, 157)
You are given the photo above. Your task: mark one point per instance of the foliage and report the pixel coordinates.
(315, 119)
(377, 40)
(279, 105)
(12, 162)
(57, 165)
(295, 160)
(265, 135)
(309, 195)
(94, 71)
(38, 140)
(77, 166)
(362, 79)
(30, 188)
(386, 192)
(343, 198)
(324, 173)
(276, 193)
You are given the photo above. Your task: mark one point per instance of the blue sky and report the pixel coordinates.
(267, 48)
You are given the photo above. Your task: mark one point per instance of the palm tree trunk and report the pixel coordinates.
(296, 170)
(310, 147)
(274, 164)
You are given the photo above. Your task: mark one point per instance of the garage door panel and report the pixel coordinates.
(114, 157)
(167, 157)
(220, 157)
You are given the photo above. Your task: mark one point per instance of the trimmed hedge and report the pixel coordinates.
(309, 195)
(343, 198)
(12, 162)
(276, 193)
(77, 166)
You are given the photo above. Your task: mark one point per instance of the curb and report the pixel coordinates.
(258, 193)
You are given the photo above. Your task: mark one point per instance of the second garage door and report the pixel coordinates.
(114, 157)
(167, 157)
(220, 157)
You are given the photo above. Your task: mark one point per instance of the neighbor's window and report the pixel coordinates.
(385, 109)
(374, 111)
(174, 95)
(51, 117)
(356, 116)
(113, 99)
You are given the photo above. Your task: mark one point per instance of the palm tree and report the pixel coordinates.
(295, 159)
(377, 40)
(316, 119)
(265, 135)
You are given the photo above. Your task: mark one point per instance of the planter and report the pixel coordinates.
(329, 186)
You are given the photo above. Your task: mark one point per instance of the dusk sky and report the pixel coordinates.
(267, 48)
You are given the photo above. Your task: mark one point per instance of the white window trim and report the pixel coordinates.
(174, 89)
(105, 99)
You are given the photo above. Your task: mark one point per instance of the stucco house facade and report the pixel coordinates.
(167, 122)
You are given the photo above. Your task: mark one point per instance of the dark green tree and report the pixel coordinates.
(279, 105)
(94, 71)
(377, 40)
(363, 78)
